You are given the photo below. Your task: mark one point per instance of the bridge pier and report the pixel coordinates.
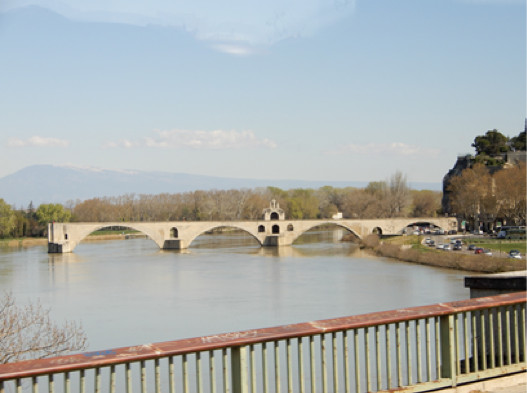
(175, 244)
(277, 240)
(59, 248)
(54, 248)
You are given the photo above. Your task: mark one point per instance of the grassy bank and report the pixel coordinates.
(39, 241)
(425, 256)
(476, 240)
(505, 247)
(24, 241)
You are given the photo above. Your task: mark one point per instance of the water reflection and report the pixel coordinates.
(65, 258)
(312, 243)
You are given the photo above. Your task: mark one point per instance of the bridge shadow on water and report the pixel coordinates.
(315, 242)
(318, 241)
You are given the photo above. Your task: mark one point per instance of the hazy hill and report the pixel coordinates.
(50, 183)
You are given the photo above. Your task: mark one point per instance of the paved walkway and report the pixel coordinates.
(522, 388)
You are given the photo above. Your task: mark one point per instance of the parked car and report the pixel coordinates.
(439, 246)
(446, 247)
(427, 241)
(452, 241)
(488, 252)
(452, 232)
(416, 233)
(478, 250)
(515, 254)
(471, 247)
(432, 243)
(459, 241)
(457, 247)
(440, 232)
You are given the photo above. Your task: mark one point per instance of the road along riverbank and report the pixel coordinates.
(410, 250)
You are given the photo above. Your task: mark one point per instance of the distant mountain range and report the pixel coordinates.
(59, 183)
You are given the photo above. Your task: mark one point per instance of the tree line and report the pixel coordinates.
(479, 194)
(383, 199)
(30, 222)
(379, 199)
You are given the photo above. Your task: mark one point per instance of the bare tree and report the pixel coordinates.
(510, 190)
(27, 332)
(255, 204)
(471, 192)
(398, 195)
(425, 203)
(240, 198)
(358, 203)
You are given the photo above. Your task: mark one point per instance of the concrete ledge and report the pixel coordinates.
(509, 383)
(496, 284)
(515, 283)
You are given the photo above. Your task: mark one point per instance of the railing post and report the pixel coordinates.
(448, 353)
(239, 370)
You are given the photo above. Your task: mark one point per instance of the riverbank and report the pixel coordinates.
(42, 241)
(24, 242)
(410, 250)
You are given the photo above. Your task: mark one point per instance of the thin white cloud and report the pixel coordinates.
(237, 50)
(395, 148)
(120, 143)
(37, 141)
(196, 139)
(227, 21)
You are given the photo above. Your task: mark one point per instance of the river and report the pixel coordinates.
(128, 292)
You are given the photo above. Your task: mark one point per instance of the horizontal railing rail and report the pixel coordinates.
(412, 349)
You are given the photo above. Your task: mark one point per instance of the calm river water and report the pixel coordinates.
(128, 292)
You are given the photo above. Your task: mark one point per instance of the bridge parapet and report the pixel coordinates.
(413, 349)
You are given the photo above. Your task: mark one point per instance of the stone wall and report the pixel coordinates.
(462, 163)
(515, 157)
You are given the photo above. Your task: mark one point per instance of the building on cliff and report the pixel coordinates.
(465, 161)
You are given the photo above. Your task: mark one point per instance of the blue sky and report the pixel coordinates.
(318, 90)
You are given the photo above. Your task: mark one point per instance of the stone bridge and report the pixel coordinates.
(64, 237)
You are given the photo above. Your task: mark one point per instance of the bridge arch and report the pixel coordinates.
(411, 221)
(83, 234)
(222, 225)
(304, 230)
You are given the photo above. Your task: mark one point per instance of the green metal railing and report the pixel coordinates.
(414, 349)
